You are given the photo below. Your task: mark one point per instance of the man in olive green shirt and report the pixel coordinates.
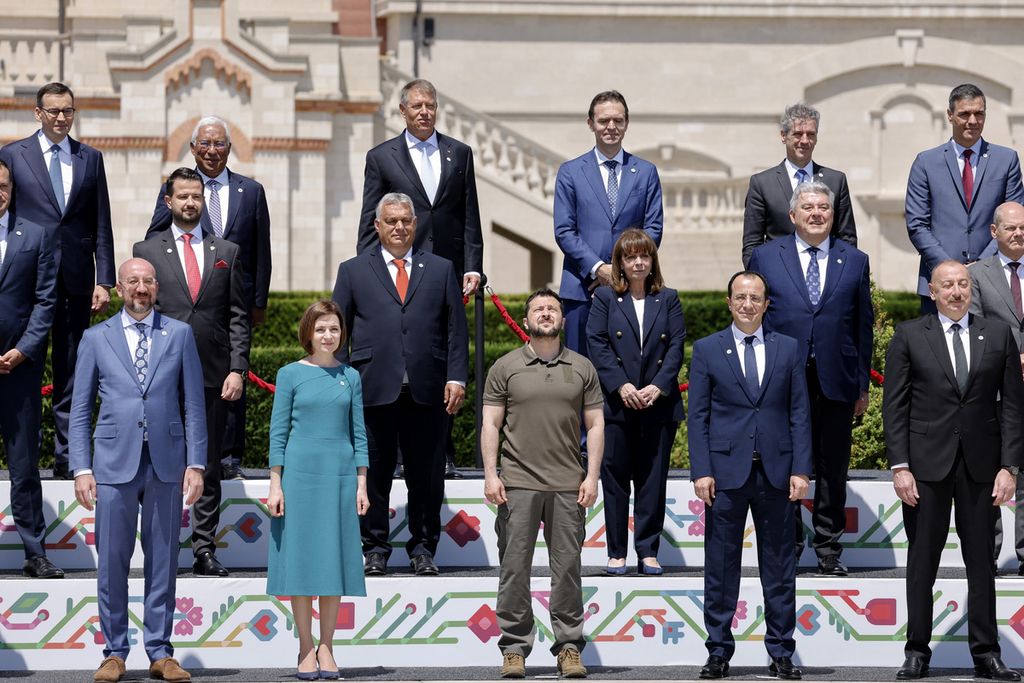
(538, 393)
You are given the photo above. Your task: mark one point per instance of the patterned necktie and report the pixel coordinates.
(213, 208)
(56, 176)
(801, 176)
(959, 358)
(813, 276)
(192, 275)
(401, 278)
(142, 354)
(613, 185)
(427, 171)
(968, 178)
(750, 366)
(1015, 289)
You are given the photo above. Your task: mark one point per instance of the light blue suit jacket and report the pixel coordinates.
(939, 223)
(175, 379)
(584, 226)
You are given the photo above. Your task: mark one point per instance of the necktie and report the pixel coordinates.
(213, 208)
(1015, 289)
(401, 278)
(56, 178)
(191, 267)
(813, 276)
(427, 172)
(968, 177)
(613, 185)
(960, 358)
(142, 354)
(801, 176)
(750, 366)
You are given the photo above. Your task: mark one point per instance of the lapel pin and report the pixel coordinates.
(419, 265)
(728, 352)
(620, 299)
(212, 247)
(448, 159)
(657, 300)
(633, 170)
(341, 382)
(839, 260)
(163, 333)
(170, 251)
(981, 337)
(240, 189)
(17, 232)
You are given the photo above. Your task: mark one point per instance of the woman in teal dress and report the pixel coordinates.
(318, 461)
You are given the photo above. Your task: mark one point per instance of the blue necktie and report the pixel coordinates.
(213, 208)
(56, 178)
(801, 176)
(813, 276)
(613, 185)
(750, 366)
(142, 354)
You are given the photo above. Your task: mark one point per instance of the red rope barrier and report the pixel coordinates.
(261, 383)
(506, 317)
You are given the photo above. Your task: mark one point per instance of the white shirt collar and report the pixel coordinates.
(947, 322)
(1006, 260)
(803, 246)
(792, 168)
(128, 321)
(959, 149)
(197, 233)
(413, 141)
(46, 144)
(388, 258)
(224, 178)
(601, 158)
(739, 335)
(5, 220)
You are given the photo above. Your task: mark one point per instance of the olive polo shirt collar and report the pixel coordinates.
(530, 356)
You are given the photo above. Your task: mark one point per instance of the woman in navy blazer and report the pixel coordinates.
(635, 336)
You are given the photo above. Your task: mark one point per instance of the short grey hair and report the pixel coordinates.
(811, 187)
(798, 112)
(418, 84)
(211, 121)
(394, 198)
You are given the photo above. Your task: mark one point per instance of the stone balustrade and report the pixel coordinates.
(28, 60)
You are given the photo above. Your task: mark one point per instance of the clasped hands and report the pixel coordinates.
(638, 399)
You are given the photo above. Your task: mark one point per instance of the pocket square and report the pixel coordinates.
(221, 263)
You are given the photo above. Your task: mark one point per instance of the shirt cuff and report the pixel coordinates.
(593, 268)
(196, 467)
(900, 466)
(471, 272)
(455, 381)
(84, 470)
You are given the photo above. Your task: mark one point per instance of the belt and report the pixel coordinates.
(756, 457)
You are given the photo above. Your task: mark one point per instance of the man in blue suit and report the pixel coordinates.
(28, 282)
(408, 340)
(150, 451)
(750, 449)
(597, 196)
(822, 298)
(61, 185)
(954, 189)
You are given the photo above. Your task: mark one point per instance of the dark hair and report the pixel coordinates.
(417, 84)
(607, 96)
(183, 173)
(631, 242)
(748, 273)
(544, 292)
(317, 310)
(966, 91)
(54, 88)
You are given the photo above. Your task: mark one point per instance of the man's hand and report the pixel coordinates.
(906, 486)
(470, 283)
(603, 275)
(453, 395)
(631, 397)
(588, 492)
(85, 490)
(192, 486)
(1004, 488)
(705, 489)
(10, 360)
(258, 315)
(275, 501)
(861, 405)
(1022, 363)
(798, 485)
(100, 298)
(232, 389)
(648, 395)
(494, 490)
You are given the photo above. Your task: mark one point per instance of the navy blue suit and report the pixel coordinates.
(28, 283)
(835, 339)
(726, 424)
(423, 339)
(637, 442)
(84, 254)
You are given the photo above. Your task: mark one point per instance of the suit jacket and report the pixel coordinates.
(725, 420)
(169, 404)
(925, 417)
(219, 317)
(247, 225)
(425, 337)
(766, 213)
(939, 223)
(84, 241)
(584, 227)
(450, 227)
(28, 290)
(613, 339)
(841, 326)
(991, 297)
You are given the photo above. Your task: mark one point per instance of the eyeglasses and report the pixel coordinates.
(203, 145)
(54, 113)
(134, 281)
(740, 299)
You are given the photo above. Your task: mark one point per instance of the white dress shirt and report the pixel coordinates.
(638, 307)
(197, 246)
(805, 259)
(66, 170)
(433, 157)
(738, 337)
(604, 179)
(792, 169)
(959, 149)
(965, 337)
(223, 194)
(4, 224)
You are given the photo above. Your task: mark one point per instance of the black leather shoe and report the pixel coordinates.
(782, 668)
(424, 565)
(231, 473)
(62, 472)
(715, 667)
(451, 471)
(376, 564)
(1020, 570)
(914, 667)
(831, 566)
(207, 565)
(994, 669)
(41, 568)
(399, 472)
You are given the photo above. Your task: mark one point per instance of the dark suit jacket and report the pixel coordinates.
(83, 238)
(247, 225)
(925, 417)
(449, 228)
(991, 297)
(613, 338)
(425, 337)
(219, 317)
(28, 289)
(766, 213)
(725, 420)
(841, 326)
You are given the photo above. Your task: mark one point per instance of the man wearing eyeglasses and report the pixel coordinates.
(61, 184)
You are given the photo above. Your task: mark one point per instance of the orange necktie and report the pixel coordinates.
(401, 278)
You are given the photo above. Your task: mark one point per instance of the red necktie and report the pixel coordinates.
(968, 177)
(401, 278)
(191, 267)
(1015, 289)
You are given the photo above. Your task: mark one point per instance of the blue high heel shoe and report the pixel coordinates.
(308, 675)
(326, 674)
(615, 571)
(646, 570)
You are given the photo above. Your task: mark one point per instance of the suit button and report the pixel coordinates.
(140, 424)
(618, 360)
(664, 336)
(956, 430)
(618, 333)
(757, 410)
(751, 436)
(144, 397)
(659, 361)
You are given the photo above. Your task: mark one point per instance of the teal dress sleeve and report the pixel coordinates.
(359, 445)
(281, 417)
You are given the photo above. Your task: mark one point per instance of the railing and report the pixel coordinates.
(714, 205)
(28, 60)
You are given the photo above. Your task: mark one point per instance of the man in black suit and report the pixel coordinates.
(408, 340)
(201, 283)
(948, 440)
(235, 210)
(28, 290)
(766, 214)
(62, 186)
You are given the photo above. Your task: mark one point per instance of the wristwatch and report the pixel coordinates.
(1012, 469)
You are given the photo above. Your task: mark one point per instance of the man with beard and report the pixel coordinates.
(203, 286)
(538, 393)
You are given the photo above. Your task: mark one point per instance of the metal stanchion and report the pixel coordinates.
(478, 363)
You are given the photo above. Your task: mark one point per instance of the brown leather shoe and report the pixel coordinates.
(110, 671)
(168, 669)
